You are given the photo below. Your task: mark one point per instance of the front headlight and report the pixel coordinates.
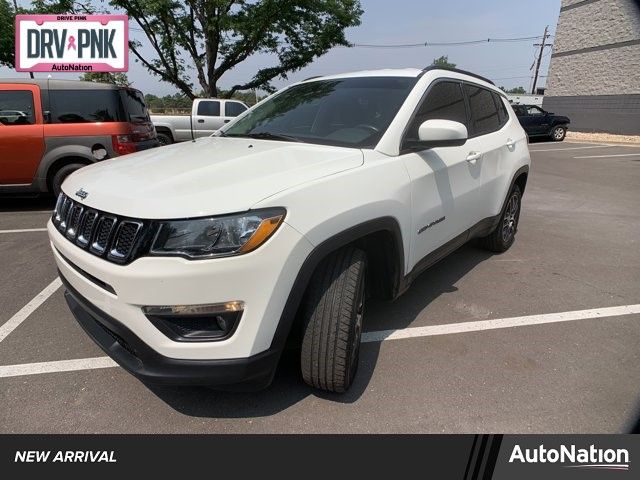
(217, 236)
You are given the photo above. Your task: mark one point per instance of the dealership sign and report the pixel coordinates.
(72, 43)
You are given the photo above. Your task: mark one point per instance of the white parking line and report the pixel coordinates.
(15, 321)
(24, 230)
(570, 148)
(53, 367)
(609, 156)
(465, 327)
(367, 337)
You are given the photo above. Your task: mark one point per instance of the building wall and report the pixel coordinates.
(594, 76)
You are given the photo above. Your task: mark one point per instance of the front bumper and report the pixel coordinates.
(135, 356)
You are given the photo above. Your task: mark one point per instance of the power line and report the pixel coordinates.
(446, 44)
(426, 43)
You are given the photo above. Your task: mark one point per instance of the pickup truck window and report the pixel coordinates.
(351, 112)
(532, 110)
(233, 109)
(209, 108)
(85, 106)
(16, 107)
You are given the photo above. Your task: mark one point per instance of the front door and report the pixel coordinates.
(446, 182)
(535, 121)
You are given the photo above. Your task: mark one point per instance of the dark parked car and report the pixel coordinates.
(538, 122)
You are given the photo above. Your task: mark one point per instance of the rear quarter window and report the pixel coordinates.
(16, 107)
(134, 106)
(85, 106)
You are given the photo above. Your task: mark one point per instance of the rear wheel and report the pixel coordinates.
(61, 175)
(558, 133)
(164, 138)
(333, 321)
(505, 233)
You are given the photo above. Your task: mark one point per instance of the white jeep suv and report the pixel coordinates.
(196, 263)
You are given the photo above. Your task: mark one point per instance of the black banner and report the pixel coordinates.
(465, 457)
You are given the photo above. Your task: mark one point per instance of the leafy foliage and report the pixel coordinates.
(214, 36)
(443, 61)
(7, 44)
(116, 78)
(515, 91)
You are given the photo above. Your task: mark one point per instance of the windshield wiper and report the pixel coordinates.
(263, 136)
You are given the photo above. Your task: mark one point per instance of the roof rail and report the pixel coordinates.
(311, 78)
(457, 70)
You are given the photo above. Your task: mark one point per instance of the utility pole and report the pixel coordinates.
(542, 45)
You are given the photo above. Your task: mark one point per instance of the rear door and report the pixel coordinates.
(490, 139)
(208, 117)
(21, 133)
(445, 182)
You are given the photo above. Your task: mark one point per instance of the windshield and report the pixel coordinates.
(351, 112)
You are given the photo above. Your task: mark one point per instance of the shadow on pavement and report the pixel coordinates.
(26, 204)
(288, 388)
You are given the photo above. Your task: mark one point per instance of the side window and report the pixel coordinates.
(443, 102)
(233, 109)
(503, 114)
(484, 113)
(209, 108)
(532, 110)
(85, 106)
(16, 107)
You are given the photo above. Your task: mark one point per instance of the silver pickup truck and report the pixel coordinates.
(207, 116)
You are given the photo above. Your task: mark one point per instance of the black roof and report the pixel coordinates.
(457, 70)
(55, 84)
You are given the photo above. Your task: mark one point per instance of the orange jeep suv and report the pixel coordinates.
(50, 128)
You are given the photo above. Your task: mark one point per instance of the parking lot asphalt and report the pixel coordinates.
(463, 365)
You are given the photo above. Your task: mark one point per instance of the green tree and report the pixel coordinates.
(214, 36)
(443, 61)
(517, 90)
(7, 45)
(116, 78)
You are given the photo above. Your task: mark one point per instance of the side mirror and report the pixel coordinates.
(442, 133)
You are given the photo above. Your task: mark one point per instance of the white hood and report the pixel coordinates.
(211, 176)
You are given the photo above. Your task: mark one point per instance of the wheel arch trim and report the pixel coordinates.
(319, 252)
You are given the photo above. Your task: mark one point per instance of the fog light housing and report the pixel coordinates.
(196, 323)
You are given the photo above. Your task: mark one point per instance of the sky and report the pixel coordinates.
(402, 22)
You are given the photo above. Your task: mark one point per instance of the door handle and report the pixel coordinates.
(227, 121)
(510, 143)
(200, 120)
(472, 157)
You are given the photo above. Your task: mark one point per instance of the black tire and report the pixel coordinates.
(61, 174)
(332, 317)
(558, 133)
(164, 138)
(504, 234)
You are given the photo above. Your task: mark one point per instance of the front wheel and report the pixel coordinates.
(332, 317)
(558, 133)
(504, 234)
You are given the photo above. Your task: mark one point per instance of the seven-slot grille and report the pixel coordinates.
(103, 234)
